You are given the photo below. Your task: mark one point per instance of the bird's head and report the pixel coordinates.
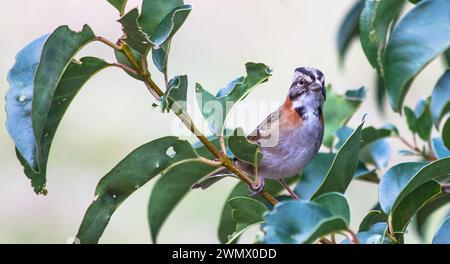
(308, 87)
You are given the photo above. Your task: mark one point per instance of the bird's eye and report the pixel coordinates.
(301, 82)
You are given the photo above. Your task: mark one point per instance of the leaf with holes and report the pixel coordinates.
(119, 5)
(134, 35)
(215, 109)
(409, 51)
(135, 170)
(35, 80)
(243, 149)
(247, 213)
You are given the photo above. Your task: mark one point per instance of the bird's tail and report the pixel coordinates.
(212, 178)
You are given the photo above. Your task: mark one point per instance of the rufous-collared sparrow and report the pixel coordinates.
(290, 137)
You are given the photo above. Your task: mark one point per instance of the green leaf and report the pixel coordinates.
(134, 35)
(447, 57)
(376, 234)
(244, 149)
(295, 222)
(402, 179)
(173, 186)
(439, 149)
(446, 134)
(336, 204)
(380, 92)
(247, 213)
(154, 11)
(135, 170)
(442, 236)
(377, 153)
(160, 56)
(338, 176)
(227, 225)
(121, 58)
(404, 211)
(420, 121)
(376, 21)
(215, 109)
(343, 134)
(170, 24)
(411, 119)
(373, 217)
(119, 5)
(409, 51)
(34, 81)
(349, 29)
(440, 100)
(338, 110)
(424, 212)
(372, 134)
(177, 93)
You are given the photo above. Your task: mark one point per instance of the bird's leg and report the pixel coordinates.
(257, 186)
(288, 189)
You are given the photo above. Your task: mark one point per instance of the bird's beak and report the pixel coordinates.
(316, 86)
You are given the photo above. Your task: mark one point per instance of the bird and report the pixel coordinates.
(288, 138)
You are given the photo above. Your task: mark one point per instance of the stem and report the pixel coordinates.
(351, 236)
(445, 187)
(187, 121)
(211, 162)
(415, 148)
(222, 144)
(125, 68)
(333, 238)
(325, 241)
(108, 42)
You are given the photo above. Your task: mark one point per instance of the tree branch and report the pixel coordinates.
(187, 121)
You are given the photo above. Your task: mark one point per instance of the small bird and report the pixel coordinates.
(289, 138)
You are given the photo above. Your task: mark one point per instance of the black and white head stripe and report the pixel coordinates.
(309, 74)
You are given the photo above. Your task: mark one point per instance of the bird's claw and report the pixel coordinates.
(257, 187)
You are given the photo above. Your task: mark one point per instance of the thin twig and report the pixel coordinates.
(108, 42)
(125, 68)
(351, 236)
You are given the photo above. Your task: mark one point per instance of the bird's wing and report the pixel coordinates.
(263, 129)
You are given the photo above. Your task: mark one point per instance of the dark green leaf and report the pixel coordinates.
(246, 212)
(447, 57)
(411, 119)
(136, 169)
(429, 208)
(403, 212)
(154, 11)
(227, 226)
(244, 149)
(34, 79)
(336, 204)
(402, 179)
(376, 234)
(363, 173)
(337, 112)
(173, 186)
(119, 5)
(371, 134)
(409, 51)
(177, 94)
(439, 149)
(160, 57)
(424, 120)
(377, 153)
(294, 222)
(170, 24)
(349, 29)
(380, 93)
(446, 134)
(121, 58)
(313, 175)
(442, 236)
(134, 35)
(342, 169)
(440, 100)
(376, 20)
(373, 217)
(215, 109)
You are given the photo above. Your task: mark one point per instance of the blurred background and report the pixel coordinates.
(112, 115)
